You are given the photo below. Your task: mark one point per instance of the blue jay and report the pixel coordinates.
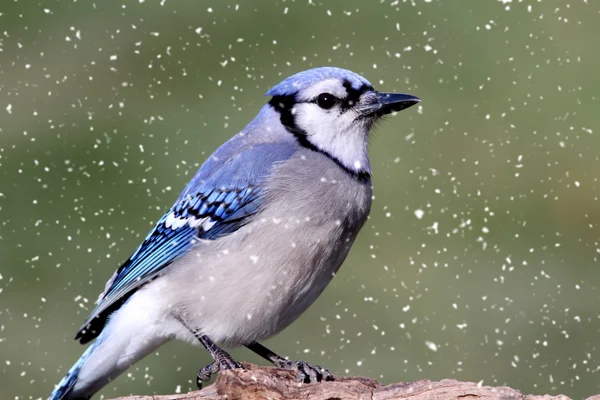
(252, 240)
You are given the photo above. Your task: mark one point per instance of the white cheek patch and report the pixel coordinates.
(335, 133)
(332, 86)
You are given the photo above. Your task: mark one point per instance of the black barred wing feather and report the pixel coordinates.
(219, 200)
(201, 216)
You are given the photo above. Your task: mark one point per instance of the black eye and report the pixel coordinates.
(326, 100)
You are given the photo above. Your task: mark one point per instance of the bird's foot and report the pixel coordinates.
(306, 373)
(205, 373)
(214, 367)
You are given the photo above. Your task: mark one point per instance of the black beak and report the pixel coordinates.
(394, 102)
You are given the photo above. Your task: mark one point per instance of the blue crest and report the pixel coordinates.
(304, 79)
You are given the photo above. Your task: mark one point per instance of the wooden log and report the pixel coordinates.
(262, 383)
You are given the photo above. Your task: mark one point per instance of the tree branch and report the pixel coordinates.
(254, 383)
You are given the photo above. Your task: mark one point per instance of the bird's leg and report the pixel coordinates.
(305, 372)
(222, 359)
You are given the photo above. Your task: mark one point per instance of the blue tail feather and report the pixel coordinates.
(65, 386)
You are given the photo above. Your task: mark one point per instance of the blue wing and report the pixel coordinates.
(220, 199)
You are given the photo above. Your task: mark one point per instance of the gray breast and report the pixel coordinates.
(321, 209)
(266, 274)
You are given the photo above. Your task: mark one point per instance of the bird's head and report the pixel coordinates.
(332, 110)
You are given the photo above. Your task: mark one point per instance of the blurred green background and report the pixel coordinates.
(479, 261)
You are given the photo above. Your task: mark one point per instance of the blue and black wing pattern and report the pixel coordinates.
(207, 209)
(216, 212)
(205, 215)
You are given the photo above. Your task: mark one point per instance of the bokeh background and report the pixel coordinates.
(480, 258)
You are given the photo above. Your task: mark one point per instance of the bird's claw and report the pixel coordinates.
(206, 372)
(307, 373)
(228, 363)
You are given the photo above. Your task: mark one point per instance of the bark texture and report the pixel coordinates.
(258, 383)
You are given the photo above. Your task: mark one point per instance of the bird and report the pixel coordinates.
(251, 241)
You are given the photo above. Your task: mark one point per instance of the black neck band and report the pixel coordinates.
(283, 105)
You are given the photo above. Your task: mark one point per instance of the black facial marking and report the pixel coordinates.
(284, 105)
(353, 94)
